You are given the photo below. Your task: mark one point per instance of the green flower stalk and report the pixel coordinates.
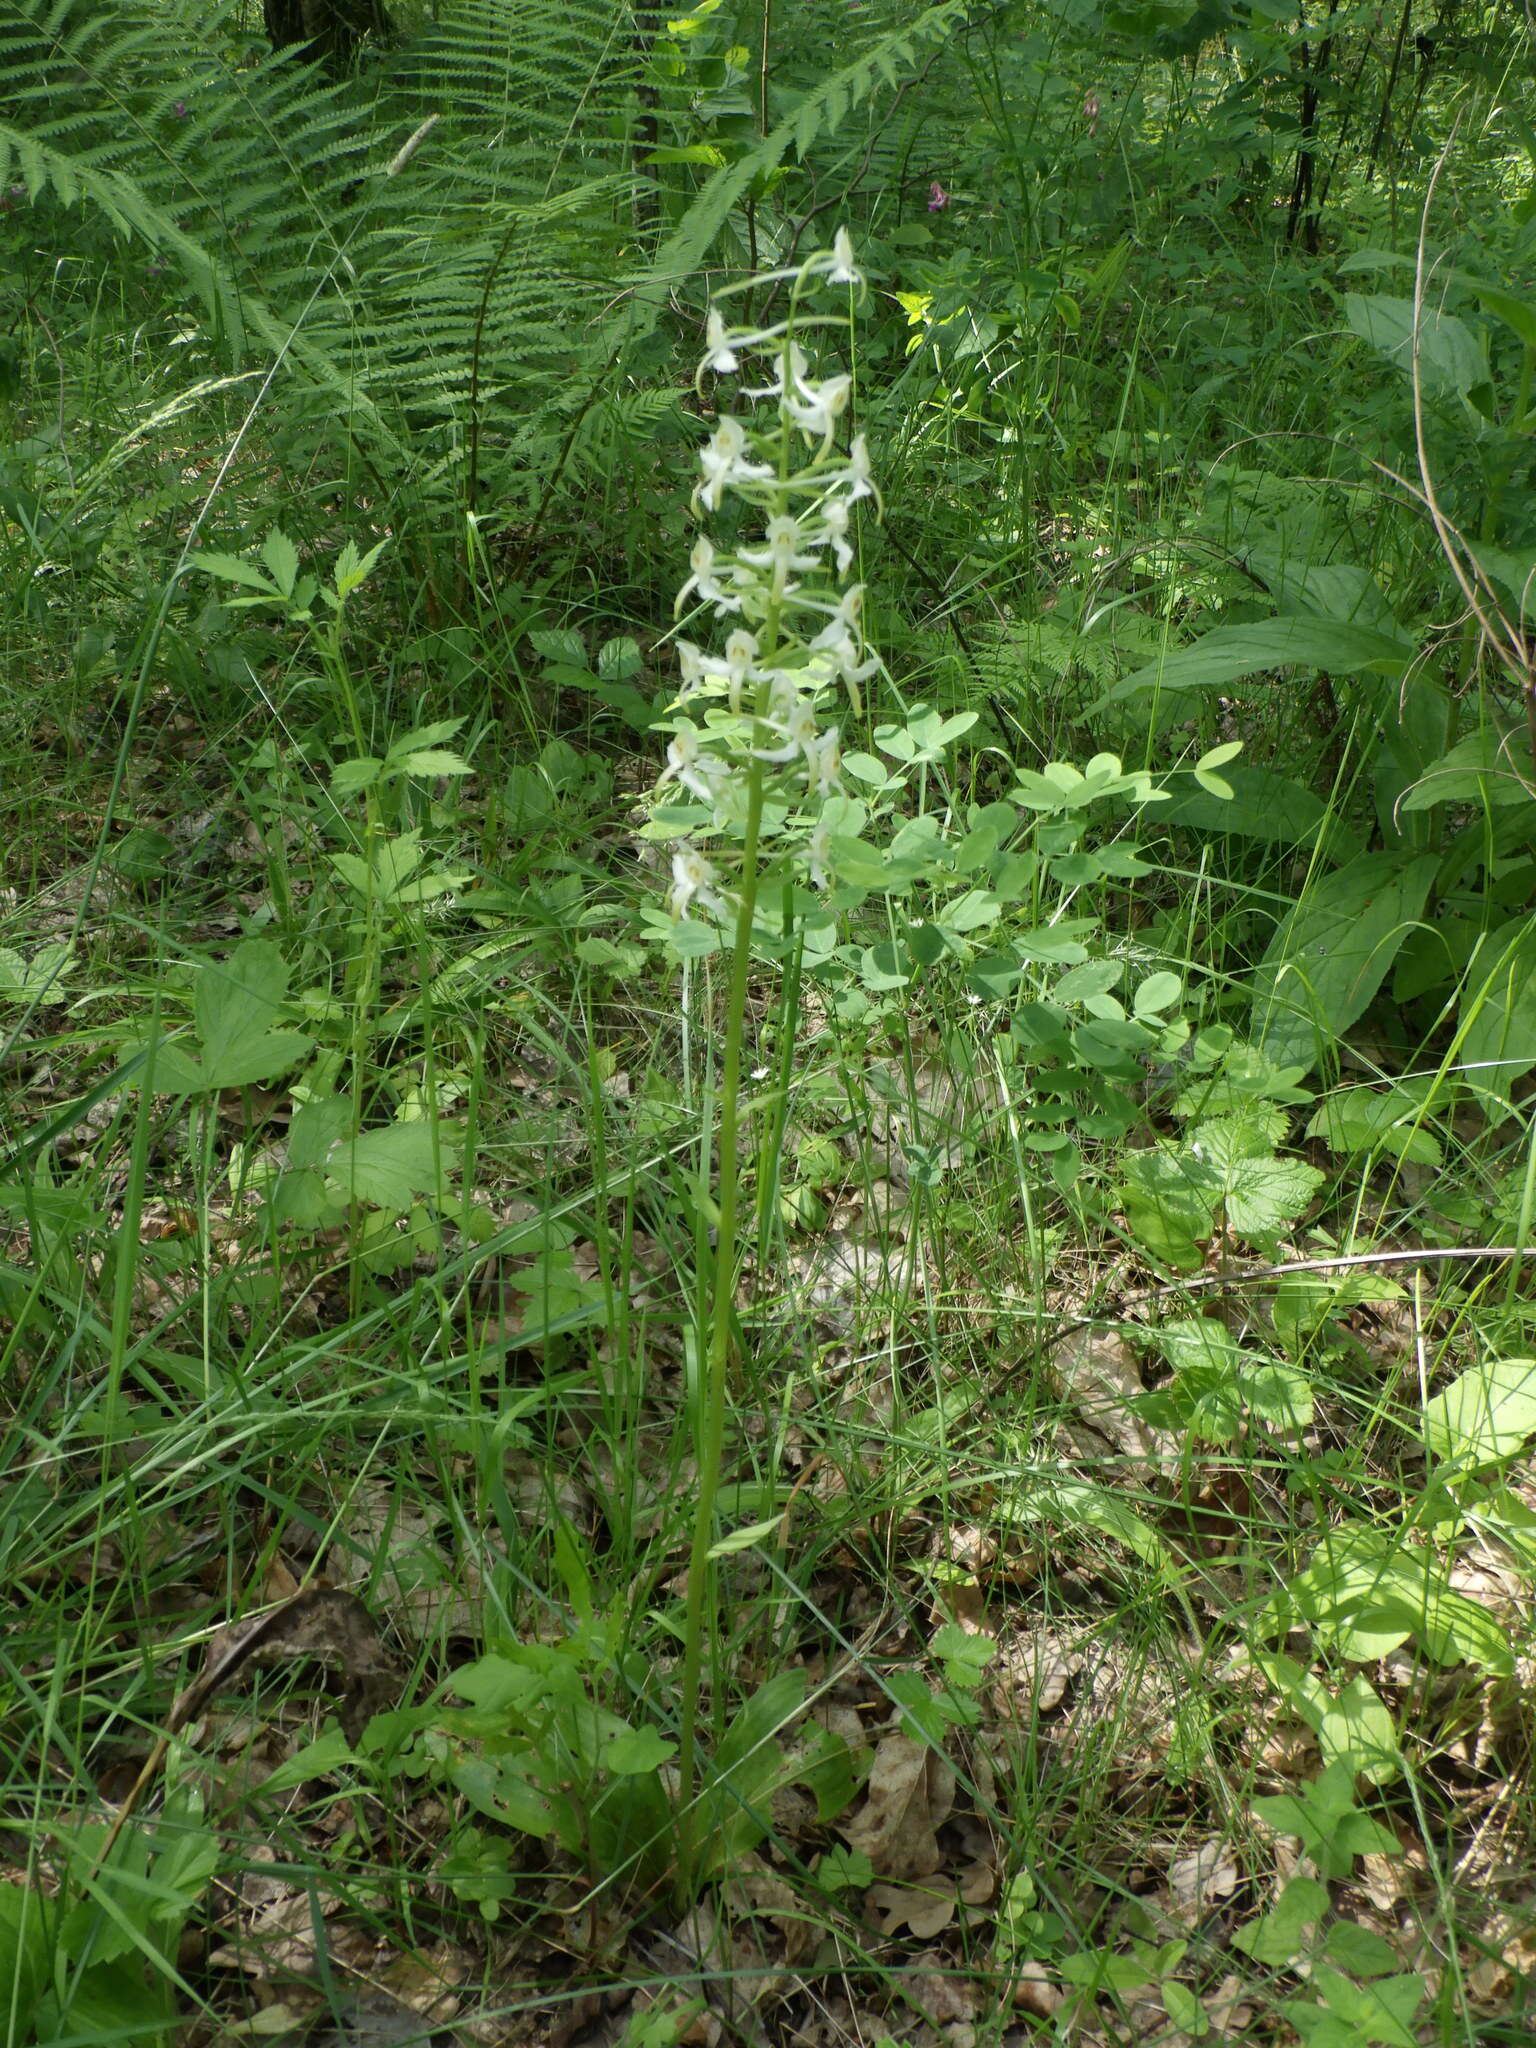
(756, 758)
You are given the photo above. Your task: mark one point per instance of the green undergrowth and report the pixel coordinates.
(897, 1405)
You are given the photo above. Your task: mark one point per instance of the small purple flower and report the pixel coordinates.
(938, 198)
(180, 110)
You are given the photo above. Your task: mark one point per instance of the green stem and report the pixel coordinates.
(701, 1607)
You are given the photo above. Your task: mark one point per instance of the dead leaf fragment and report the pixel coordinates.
(1198, 1880)
(910, 1794)
(1098, 1374)
(1034, 1992)
(925, 1911)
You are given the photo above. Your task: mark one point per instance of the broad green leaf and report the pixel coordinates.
(1486, 767)
(387, 1167)
(1157, 993)
(1450, 361)
(43, 976)
(1364, 1593)
(235, 1007)
(1488, 1413)
(743, 1539)
(1498, 1010)
(26, 1950)
(1331, 953)
(1264, 806)
(1359, 1730)
(1228, 653)
(1386, 1120)
(636, 1751)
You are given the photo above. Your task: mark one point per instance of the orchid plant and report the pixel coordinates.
(754, 750)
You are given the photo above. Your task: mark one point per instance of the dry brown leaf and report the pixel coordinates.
(1197, 1880)
(1099, 1375)
(1034, 1992)
(323, 1623)
(926, 1912)
(1033, 1674)
(910, 1793)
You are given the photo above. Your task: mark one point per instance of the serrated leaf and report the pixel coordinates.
(235, 1006)
(432, 735)
(234, 569)
(347, 777)
(435, 761)
(387, 1167)
(1263, 1196)
(1386, 1120)
(282, 558)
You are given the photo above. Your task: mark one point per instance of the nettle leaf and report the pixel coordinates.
(1170, 1200)
(1219, 1388)
(1486, 1414)
(1263, 1196)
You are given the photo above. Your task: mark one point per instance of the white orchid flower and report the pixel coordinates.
(816, 408)
(843, 269)
(699, 772)
(724, 461)
(783, 553)
(693, 878)
(701, 559)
